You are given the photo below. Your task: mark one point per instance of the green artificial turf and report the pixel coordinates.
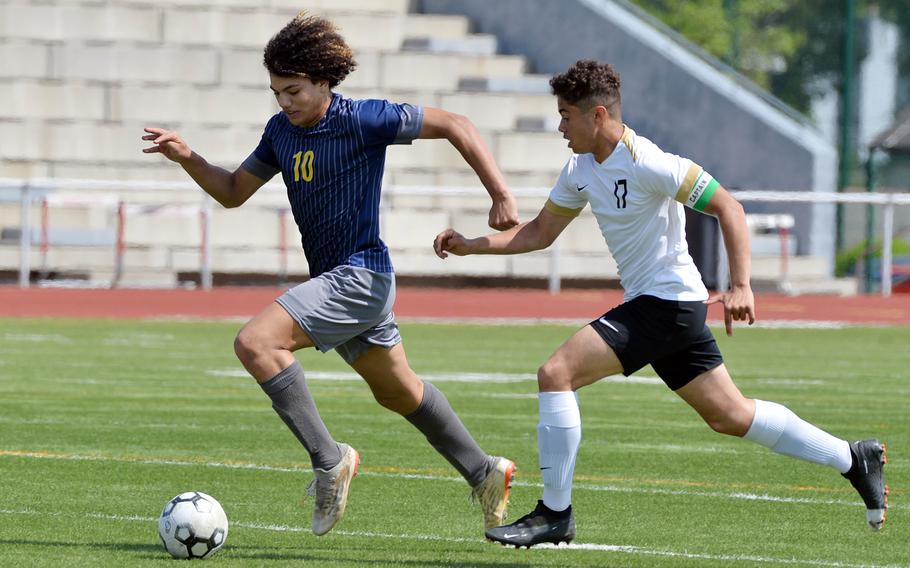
(101, 422)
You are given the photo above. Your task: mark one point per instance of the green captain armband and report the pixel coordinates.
(706, 195)
(701, 192)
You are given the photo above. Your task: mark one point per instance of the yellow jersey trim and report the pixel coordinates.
(560, 210)
(627, 134)
(688, 184)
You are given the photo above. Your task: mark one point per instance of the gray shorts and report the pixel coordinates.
(348, 309)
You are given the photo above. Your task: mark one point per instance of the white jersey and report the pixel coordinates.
(637, 196)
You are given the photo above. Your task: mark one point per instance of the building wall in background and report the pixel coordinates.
(674, 97)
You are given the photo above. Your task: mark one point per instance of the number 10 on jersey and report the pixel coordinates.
(303, 166)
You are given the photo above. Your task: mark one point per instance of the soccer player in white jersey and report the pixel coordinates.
(637, 193)
(330, 151)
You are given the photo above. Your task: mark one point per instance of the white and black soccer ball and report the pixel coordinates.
(193, 525)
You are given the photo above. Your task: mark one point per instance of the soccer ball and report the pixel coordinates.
(193, 525)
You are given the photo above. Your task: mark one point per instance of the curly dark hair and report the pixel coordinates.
(311, 46)
(588, 84)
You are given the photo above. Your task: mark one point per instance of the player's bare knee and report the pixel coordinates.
(553, 376)
(246, 347)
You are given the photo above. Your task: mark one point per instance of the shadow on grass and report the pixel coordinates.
(335, 557)
(250, 553)
(119, 546)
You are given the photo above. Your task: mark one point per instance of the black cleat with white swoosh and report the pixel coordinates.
(868, 478)
(539, 526)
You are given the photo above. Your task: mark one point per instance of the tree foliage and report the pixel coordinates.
(898, 11)
(790, 48)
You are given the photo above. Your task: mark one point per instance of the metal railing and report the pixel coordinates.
(28, 188)
(888, 202)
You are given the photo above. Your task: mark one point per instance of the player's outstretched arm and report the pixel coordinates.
(463, 135)
(739, 302)
(533, 235)
(227, 188)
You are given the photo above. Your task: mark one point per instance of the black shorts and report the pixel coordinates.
(671, 336)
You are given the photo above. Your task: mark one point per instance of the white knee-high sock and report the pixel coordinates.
(558, 437)
(778, 428)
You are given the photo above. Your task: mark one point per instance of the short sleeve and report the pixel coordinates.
(262, 163)
(673, 176)
(697, 188)
(664, 173)
(565, 199)
(383, 122)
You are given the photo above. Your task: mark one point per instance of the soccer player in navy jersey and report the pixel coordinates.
(330, 152)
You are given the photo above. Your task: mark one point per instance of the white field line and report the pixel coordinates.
(511, 378)
(443, 377)
(351, 376)
(738, 495)
(36, 338)
(506, 378)
(565, 549)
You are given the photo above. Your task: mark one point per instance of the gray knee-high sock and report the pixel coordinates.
(292, 401)
(445, 432)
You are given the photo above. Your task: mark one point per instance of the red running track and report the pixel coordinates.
(416, 302)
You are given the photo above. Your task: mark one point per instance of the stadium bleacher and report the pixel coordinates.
(81, 79)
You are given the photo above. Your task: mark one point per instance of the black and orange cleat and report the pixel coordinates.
(868, 478)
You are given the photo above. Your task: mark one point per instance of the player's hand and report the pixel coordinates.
(168, 143)
(503, 213)
(450, 241)
(739, 305)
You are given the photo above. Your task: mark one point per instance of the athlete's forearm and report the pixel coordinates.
(214, 180)
(526, 237)
(736, 240)
(470, 144)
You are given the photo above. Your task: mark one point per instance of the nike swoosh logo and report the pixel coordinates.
(608, 324)
(548, 467)
(581, 187)
(509, 535)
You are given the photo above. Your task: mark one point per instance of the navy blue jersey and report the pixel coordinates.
(333, 174)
